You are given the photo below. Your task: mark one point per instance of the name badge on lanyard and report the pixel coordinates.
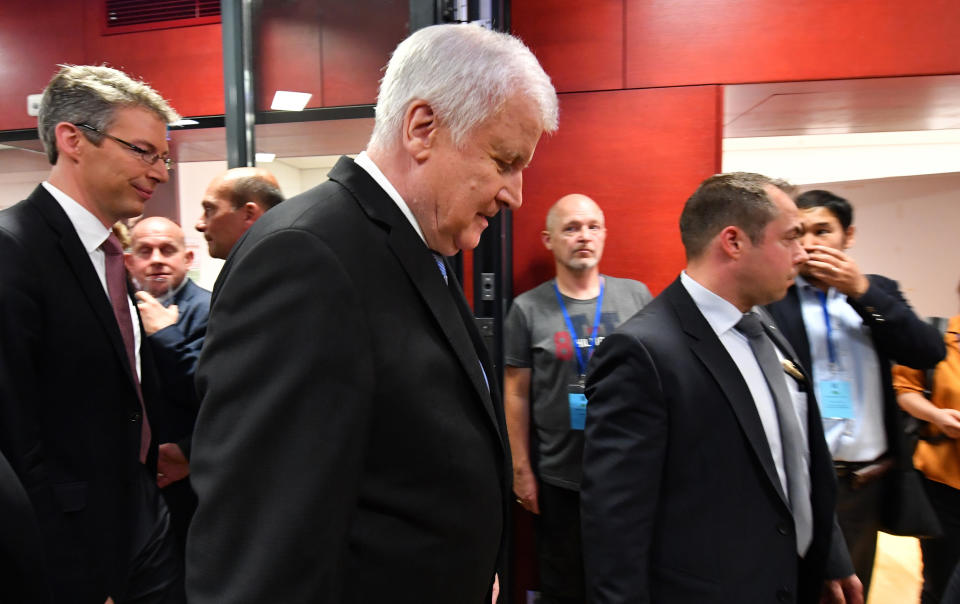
(578, 405)
(835, 389)
(575, 393)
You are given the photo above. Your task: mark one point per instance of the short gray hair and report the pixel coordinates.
(734, 199)
(466, 73)
(91, 94)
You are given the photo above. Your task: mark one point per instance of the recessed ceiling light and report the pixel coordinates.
(184, 122)
(284, 100)
(265, 158)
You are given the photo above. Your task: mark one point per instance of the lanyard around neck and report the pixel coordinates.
(581, 364)
(831, 350)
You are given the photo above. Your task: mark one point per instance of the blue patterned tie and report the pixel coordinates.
(442, 265)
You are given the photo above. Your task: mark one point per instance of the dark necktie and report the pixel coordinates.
(117, 288)
(791, 437)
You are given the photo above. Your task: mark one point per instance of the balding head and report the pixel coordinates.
(158, 259)
(232, 203)
(575, 233)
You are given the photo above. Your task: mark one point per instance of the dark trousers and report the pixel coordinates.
(858, 512)
(941, 555)
(182, 503)
(559, 546)
(156, 575)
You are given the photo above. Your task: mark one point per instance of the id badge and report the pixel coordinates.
(578, 405)
(835, 399)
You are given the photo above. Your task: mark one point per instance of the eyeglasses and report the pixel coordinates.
(147, 157)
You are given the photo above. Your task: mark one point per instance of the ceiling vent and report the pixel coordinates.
(124, 16)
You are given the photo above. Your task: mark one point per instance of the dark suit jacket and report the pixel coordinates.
(681, 502)
(21, 559)
(348, 449)
(176, 350)
(69, 412)
(898, 336)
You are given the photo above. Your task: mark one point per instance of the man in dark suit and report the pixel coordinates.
(231, 204)
(847, 328)
(706, 477)
(76, 387)
(21, 559)
(350, 445)
(174, 311)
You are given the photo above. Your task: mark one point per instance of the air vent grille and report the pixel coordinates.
(124, 13)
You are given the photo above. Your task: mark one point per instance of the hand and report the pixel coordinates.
(836, 269)
(525, 488)
(172, 465)
(948, 421)
(153, 314)
(496, 588)
(848, 590)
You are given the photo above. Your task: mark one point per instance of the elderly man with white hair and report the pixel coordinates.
(350, 445)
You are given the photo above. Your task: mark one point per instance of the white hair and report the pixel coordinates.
(466, 73)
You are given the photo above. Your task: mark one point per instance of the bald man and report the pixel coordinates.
(174, 312)
(551, 332)
(232, 203)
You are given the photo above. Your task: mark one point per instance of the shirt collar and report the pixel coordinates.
(719, 313)
(363, 160)
(805, 286)
(91, 231)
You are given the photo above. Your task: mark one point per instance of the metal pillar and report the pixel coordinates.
(237, 33)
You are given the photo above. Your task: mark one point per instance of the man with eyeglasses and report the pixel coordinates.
(76, 385)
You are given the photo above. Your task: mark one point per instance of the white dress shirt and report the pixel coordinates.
(863, 438)
(92, 234)
(363, 160)
(723, 318)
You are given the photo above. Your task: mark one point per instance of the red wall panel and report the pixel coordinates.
(580, 44)
(287, 52)
(682, 42)
(185, 65)
(331, 49)
(29, 55)
(358, 38)
(639, 154)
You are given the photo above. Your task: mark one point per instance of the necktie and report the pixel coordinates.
(798, 475)
(441, 265)
(117, 288)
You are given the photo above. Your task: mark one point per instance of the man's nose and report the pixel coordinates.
(201, 225)
(158, 171)
(801, 255)
(511, 194)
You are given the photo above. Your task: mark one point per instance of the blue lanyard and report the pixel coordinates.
(581, 364)
(831, 351)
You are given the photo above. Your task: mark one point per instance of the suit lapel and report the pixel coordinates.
(446, 303)
(707, 347)
(79, 261)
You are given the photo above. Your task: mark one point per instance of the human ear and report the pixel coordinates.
(545, 238)
(69, 140)
(251, 212)
(848, 237)
(732, 240)
(419, 129)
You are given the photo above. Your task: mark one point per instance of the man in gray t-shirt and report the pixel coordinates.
(550, 333)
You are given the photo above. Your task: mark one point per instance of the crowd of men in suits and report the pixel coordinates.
(329, 424)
